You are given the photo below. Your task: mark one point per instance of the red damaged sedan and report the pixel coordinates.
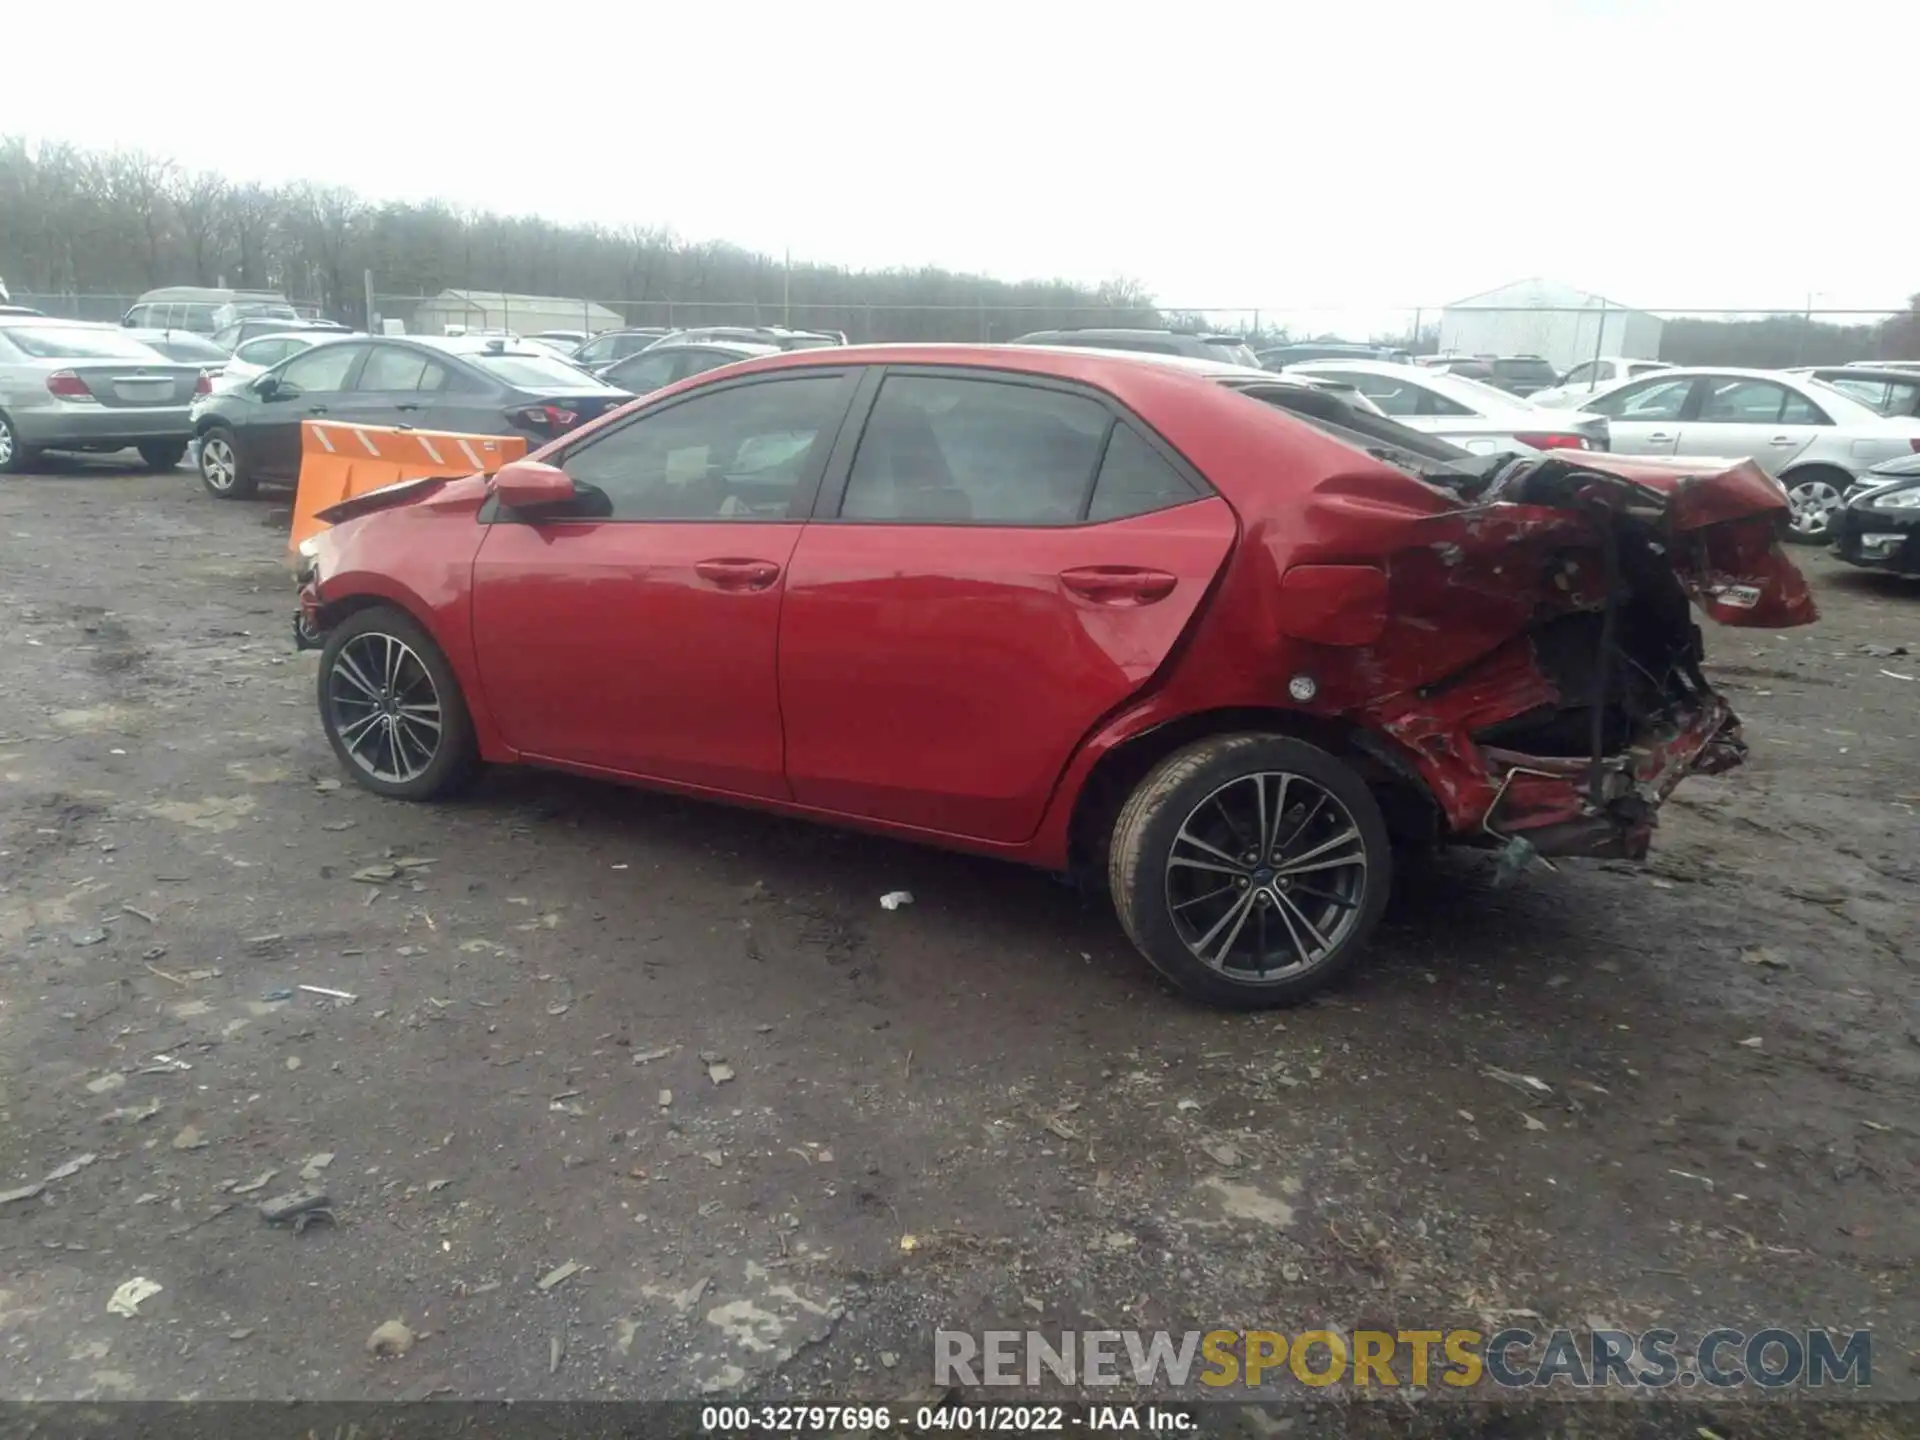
(1208, 636)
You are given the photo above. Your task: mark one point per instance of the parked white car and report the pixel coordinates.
(1472, 415)
(263, 352)
(1816, 440)
(1590, 377)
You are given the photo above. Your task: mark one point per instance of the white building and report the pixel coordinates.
(522, 314)
(1556, 322)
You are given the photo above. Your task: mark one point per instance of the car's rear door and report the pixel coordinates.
(998, 562)
(634, 629)
(1763, 420)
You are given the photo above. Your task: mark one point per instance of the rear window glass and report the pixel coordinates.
(536, 372)
(1524, 370)
(1234, 353)
(55, 342)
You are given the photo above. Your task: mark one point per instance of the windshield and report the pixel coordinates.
(537, 372)
(1470, 391)
(59, 342)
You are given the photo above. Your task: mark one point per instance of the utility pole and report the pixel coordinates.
(786, 292)
(373, 320)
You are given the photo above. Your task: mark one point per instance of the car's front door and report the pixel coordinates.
(634, 630)
(1763, 420)
(1644, 418)
(1000, 561)
(308, 387)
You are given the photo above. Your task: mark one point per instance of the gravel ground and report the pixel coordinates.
(642, 1098)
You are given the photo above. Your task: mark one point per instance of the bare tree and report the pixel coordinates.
(200, 207)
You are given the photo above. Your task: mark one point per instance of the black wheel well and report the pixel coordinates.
(334, 612)
(1410, 811)
(1815, 467)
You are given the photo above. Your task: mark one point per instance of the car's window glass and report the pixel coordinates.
(987, 451)
(1400, 397)
(60, 342)
(1656, 400)
(535, 372)
(734, 454)
(228, 336)
(624, 345)
(1742, 402)
(1580, 374)
(698, 362)
(641, 374)
(267, 350)
(1529, 369)
(594, 351)
(1135, 479)
(394, 367)
(1796, 409)
(197, 317)
(1645, 367)
(321, 369)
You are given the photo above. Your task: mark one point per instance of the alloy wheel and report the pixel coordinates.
(6, 444)
(217, 463)
(1814, 502)
(1267, 877)
(384, 706)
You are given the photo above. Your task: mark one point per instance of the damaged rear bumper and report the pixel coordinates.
(1563, 806)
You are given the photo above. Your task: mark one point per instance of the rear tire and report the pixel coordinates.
(163, 454)
(14, 457)
(1250, 870)
(392, 708)
(222, 471)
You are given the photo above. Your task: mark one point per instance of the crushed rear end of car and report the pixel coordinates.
(1528, 653)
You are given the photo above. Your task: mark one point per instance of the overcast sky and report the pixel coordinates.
(1285, 155)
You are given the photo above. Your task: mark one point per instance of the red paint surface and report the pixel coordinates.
(960, 683)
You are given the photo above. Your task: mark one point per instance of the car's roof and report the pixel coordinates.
(741, 348)
(1856, 372)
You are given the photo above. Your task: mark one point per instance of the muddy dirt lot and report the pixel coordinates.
(780, 1132)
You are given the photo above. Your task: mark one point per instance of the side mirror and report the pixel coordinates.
(528, 484)
(266, 387)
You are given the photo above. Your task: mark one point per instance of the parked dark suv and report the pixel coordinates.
(1228, 349)
(469, 385)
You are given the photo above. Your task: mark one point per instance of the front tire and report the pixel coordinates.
(163, 454)
(1250, 870)
(392, 708)
(222, 471)
(1815, 495)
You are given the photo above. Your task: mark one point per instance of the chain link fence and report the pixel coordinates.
(1564, 336)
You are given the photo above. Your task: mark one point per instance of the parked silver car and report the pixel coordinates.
(1816, 440)
(69, 385)
(1475, 416)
